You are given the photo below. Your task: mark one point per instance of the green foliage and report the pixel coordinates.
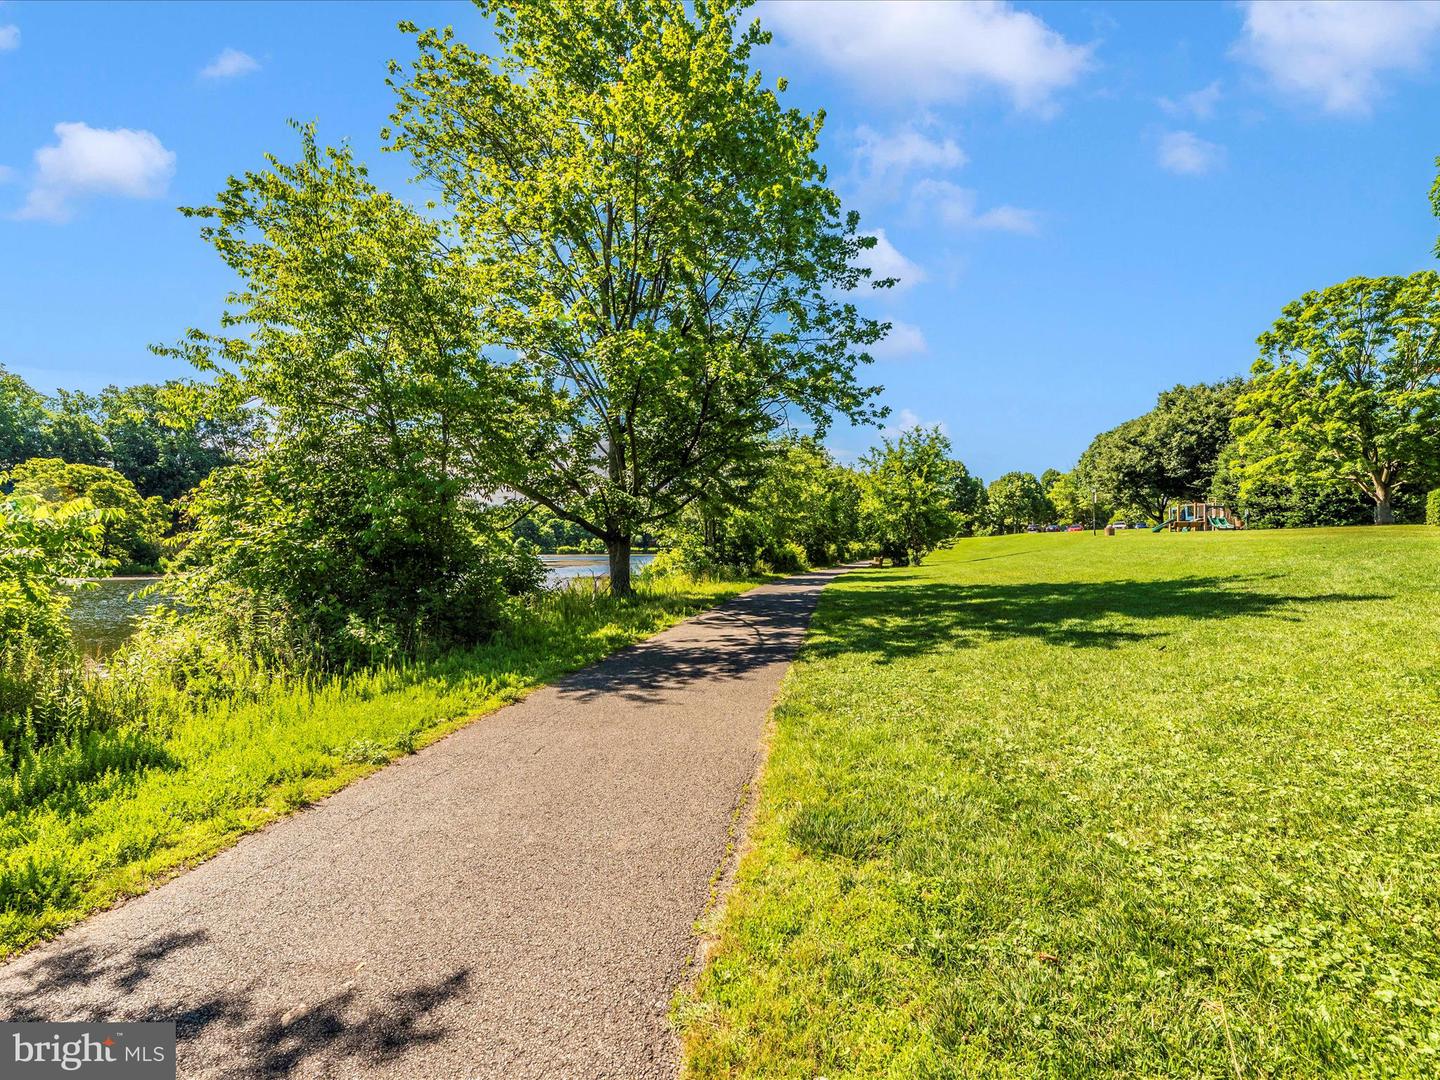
(318, 558)
(43, 546)
(554, 535)
(1347, 389)
(909, 492)
(650, 232)
(1270, 498)
(1073, 501)
(1432, 508)
(1051, 806)
(1016, 500)
(360, 531)
(969, 504)
(165, 439)
(160, 438)
(1435, 201)
(1169, 453)
(22, 421)
(131, 528)
(802, 511)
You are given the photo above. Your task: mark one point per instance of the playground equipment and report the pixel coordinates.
(1200, 517)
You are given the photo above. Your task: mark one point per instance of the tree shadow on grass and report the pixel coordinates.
(138, 983)
(911, 616)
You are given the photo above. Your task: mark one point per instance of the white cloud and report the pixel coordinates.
(1333, 52)
(904, 339)
(886, 261)
(958, 207)
(9, 37)
(889, 157)
(908, 420)
(1198, 103)
(1186, 153)
(230, 63)
(96, 161)
(935, 51)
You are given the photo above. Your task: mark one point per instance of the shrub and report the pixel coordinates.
(42, 546)
(689, 558)
(296, 565)
(1432, 508)
(788, 558)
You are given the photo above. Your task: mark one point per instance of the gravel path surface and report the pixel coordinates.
(517, 900)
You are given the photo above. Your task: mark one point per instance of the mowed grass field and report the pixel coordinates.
(1063, 806)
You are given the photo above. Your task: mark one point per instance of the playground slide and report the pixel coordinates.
(1159, 528)
(1220, 523)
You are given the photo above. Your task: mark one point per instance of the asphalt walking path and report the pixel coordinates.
(516, 900)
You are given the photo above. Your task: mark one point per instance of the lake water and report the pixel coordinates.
(103, 617)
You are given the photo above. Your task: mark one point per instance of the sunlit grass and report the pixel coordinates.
(1148, 805)
(111, 811)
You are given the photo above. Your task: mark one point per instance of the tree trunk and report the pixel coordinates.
(619, 552)
(1384, 512)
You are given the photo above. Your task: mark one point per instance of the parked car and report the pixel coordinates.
(1076, 528)
(1121, 525)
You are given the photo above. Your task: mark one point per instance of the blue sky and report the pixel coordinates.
(1088, 202)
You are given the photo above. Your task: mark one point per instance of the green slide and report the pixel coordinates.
(1159, 528)
(1220, 523)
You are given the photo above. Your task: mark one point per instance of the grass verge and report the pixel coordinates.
(106, 816)
(1052, 806)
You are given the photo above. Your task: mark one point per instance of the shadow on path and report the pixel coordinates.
(725, 643)
(265, 1042)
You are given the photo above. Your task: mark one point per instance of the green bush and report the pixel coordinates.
(787, 558)
(43, 545)
(1432, 508)
(296, 563)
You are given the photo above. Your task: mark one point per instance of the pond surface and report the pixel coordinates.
(104, 616)
(565, 567)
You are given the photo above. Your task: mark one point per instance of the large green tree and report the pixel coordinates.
(803, 500)
(22, 420)
(354, 331)
(166, 438)
(908, 491)
(650, 235)
(1169, 453)
(1015, 500)
(968, 500)
(1347, 388)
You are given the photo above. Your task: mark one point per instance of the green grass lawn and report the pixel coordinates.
(1139, 806)
(86, 822)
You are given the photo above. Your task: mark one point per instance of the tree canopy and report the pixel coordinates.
(130, 527)
(1169, 453)
(1347, 388)
(649, 235)
(908, 492)
(1015, 500)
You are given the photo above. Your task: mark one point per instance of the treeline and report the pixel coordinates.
(131, 452)
(1338, 422)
